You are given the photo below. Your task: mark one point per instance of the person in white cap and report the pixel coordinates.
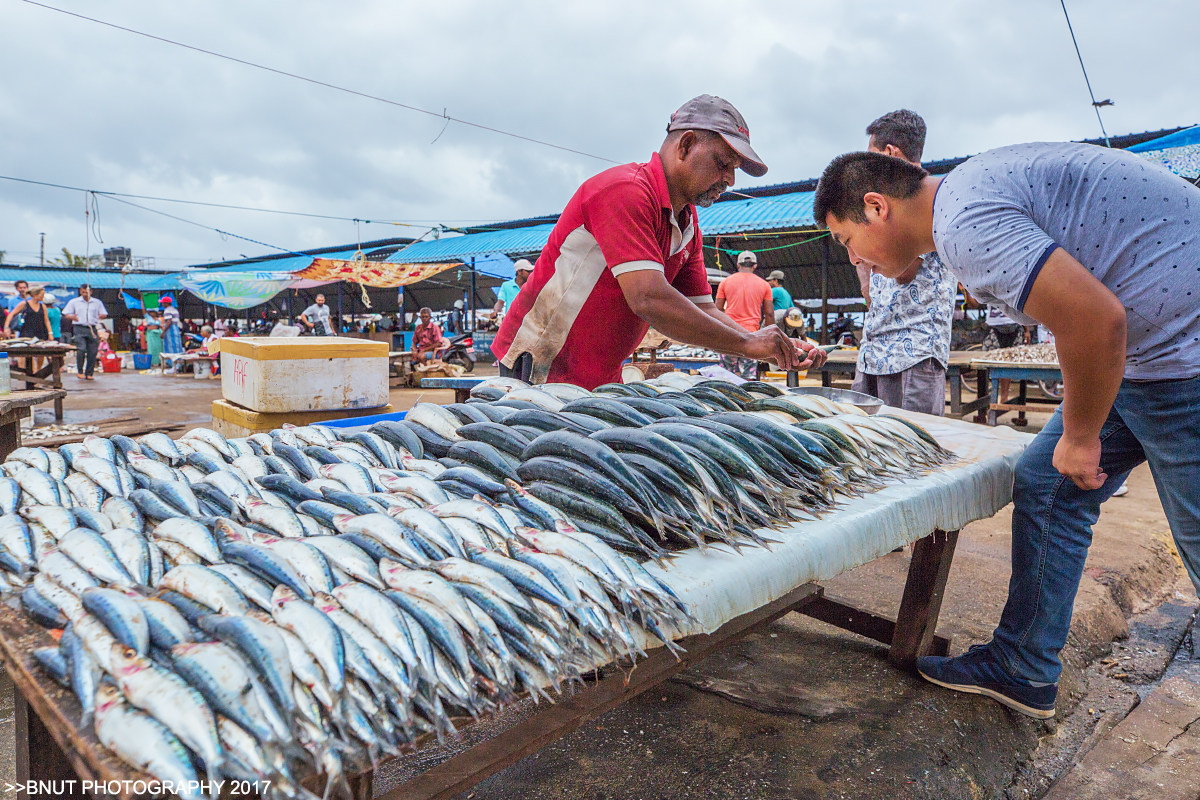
(746, 299)
(627, 253)
(510, 288)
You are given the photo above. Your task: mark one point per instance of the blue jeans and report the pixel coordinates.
(1158, 422)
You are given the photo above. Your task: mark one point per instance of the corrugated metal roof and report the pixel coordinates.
(98, 279)
(1183, 138)
(462, 248)
(758, 214)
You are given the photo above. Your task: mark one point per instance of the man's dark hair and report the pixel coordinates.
(905, 129)
(83, 286)
(848, 177)
(20, 281)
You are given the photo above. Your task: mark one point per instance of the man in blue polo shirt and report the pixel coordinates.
(1103, 249)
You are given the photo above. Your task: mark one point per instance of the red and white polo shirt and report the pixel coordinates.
(571, 315)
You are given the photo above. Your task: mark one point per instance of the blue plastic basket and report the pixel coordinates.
(141, 361)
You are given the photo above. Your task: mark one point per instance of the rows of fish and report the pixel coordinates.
(671, 463)
(302, 603)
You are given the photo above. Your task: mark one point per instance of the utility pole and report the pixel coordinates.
(42, 257)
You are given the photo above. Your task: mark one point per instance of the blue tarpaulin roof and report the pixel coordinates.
(778, 212)
(462, 248)
(74, 278)
(1183, 138)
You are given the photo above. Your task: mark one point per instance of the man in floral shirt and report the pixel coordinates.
(906, 336)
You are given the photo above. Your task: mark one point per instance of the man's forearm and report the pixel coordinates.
(1092, 367)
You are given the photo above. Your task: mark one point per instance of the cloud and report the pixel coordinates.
(94, 107)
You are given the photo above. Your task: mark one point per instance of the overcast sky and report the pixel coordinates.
(84, 105)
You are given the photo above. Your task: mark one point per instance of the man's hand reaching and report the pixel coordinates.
(771, 344)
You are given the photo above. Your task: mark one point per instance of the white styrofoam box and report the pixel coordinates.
(280, 375)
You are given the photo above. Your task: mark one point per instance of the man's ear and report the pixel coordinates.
(876, 206)
(687, 142)
(894, 152)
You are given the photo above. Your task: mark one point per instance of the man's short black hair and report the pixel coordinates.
(83, 286)
(905, 129)
(848, 177)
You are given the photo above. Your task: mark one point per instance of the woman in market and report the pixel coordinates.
(153, 334)
(30, 320)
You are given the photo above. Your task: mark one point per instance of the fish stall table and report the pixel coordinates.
(16, 406)
(843, 362)
(49, 376)
(729, 593)
(462, 386)
(1023, 373)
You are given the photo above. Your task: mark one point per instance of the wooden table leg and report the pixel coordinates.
(462, 395)
(1022, 388)
(10, 432)
(56, 365)
(993, 413)
(981, 391)
(922, 601)
(826, 378)
(38, 756)
(954, 375)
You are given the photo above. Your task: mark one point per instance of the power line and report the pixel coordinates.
(409, 223)
(1095, 105)
(316, 82)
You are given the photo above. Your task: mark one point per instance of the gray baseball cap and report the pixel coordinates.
(747, 257)
(710, 113)
(776, 275)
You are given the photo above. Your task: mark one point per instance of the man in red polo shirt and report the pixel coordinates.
(627, 253)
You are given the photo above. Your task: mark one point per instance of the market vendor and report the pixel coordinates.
(627, 253)
(1102, 248)
(427, 342)
(905, 345)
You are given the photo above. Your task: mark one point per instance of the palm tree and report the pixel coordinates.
(70, 259)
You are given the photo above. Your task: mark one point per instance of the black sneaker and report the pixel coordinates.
(978, 672)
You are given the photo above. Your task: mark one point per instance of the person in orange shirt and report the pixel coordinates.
(746, 299)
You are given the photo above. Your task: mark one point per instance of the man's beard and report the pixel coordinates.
(709, 197)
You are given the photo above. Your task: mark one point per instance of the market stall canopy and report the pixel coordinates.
(378, 274)
(1178, 152)
(240, 290)
(96, 278)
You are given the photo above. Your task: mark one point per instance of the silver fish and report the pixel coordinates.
(166, 625)
(237, 489)
(252, 587)
(281, 520)
(89, 550)
(33, 456)
(384, 530)
(251, 466)
(241, 446)
(264, 441)
(82, 671)
(377, 612)
(432, 529)
(39, 486)
(65, 572)
(121, 614)
(54, 518)
(190, 534)
(349, 558)
(213, 440)
(436, 419)
(309, 562)
(103, 473)
(63, 599)
(143, 742)
(150, 467)
(355, 477)
(432, 587)
(123, 514)
(163, 447)
(205, 586)
(10, 496)
(170, 700)
(15, 537)
(101, 448)
(421, 487)
(175, 552)
(316, 630)
(372, 647)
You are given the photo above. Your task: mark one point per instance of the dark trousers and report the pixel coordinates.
(522, 368)
(87, 344)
